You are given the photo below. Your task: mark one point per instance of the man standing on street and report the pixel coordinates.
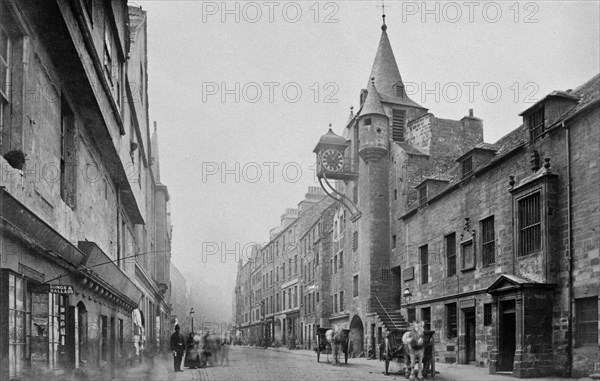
(178, 348)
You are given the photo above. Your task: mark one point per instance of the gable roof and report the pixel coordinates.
(510, 282)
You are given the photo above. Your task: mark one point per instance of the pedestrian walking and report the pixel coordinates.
(178, 348)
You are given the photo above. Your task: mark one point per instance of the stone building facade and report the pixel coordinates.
(82, 208)
(270, 286)
(513, 235)
(495, 247)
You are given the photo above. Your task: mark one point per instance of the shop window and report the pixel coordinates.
(57, 331)
(19, 324)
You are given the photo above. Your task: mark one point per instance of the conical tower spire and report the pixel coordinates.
(385, 69)
(372, 103)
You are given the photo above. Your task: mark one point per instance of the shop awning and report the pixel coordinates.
(97, 262)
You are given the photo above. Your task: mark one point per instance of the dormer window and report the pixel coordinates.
(467, 166)
(423, 194)
(536, 124)
(399, 90)
(367, 122)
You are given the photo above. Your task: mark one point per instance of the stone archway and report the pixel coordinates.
(357, 336)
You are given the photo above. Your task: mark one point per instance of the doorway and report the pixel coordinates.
(507, 341)
(396, 289)
(356, 336)
(470, 325)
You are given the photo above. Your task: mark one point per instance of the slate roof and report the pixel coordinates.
(588, 93)
(386, 73)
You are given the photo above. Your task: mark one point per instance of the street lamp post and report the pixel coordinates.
(192, 316)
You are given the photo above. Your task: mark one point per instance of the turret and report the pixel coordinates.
(373, 127)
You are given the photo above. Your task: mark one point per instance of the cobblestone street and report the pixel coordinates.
(257, 364)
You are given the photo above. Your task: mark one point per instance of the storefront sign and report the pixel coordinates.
(61, 289)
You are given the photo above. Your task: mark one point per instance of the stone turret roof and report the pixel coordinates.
(387, 75)
(372, 104)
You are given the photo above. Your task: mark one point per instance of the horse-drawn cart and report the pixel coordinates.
(324, 346)
(398, 351)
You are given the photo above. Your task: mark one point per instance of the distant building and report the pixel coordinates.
(85, 234)
(180, 301)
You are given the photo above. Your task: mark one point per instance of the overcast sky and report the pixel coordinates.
(249, 87)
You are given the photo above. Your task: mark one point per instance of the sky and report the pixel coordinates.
(242, 91)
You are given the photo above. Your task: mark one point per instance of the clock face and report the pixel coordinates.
(332, 160)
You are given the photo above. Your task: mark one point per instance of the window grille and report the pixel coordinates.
(385, 274)
(530, 225)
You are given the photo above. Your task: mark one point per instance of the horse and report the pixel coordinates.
(414, 346)
(334, 337)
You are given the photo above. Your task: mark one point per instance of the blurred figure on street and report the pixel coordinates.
(192, 359)
(178, 348)
(224, 357)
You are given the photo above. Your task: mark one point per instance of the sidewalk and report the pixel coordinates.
(444, 372)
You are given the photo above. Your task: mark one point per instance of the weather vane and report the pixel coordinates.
(382, 6)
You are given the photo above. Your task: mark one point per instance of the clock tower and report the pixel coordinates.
(332, 162)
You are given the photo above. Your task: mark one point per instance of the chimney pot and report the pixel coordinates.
(471, 112)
